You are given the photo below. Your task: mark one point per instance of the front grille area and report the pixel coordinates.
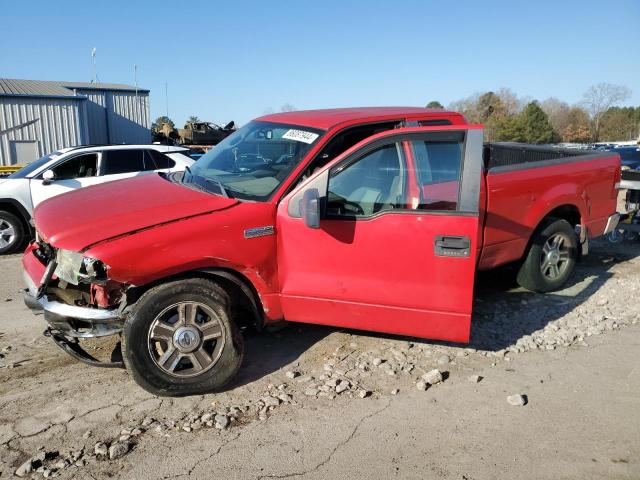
(44, 253)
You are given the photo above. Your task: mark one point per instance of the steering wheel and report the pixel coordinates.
(352, 207)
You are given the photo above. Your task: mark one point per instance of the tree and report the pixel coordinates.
(558, 113)
(160, 121)
(435, 104)
(577, 129)
(599, 98)
(535, 124)
(530, 126)
(193, 119)
(620, 124)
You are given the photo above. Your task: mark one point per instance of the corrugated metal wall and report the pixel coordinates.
(58, 124)
(117, 116)
(129, 117)
(106, 116)
(96, 115)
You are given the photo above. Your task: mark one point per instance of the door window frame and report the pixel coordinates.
(470, 171)
(71, 157)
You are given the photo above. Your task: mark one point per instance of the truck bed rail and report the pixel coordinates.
(502, 154)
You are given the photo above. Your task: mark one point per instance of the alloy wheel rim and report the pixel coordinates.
(7, 233)
(555, 256)
(186, 339)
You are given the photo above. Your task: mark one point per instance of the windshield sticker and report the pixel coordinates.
(301, 136)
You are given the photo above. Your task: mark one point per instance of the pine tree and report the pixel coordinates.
(535, 124)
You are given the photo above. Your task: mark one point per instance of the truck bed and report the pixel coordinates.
(523, 184)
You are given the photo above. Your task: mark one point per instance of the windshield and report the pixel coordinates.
(35, 165)
(252, 163)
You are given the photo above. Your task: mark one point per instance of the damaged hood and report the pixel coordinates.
(84, 217)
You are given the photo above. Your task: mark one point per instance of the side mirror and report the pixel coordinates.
(48, 176)
(310, 208)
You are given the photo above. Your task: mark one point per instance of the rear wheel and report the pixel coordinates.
(551, 257)
(180, 339)
(11, 232)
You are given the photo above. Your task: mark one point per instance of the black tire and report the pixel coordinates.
(9, 244)
(138, 350)
(531, 275)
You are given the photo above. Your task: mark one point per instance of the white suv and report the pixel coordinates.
(72, 168)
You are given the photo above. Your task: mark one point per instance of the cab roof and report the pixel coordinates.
(329, 118)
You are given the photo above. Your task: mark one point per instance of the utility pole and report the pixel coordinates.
(93, 59)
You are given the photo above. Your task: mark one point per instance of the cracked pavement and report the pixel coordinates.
(574, 354)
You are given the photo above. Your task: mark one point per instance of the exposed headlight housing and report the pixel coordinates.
(75, 268)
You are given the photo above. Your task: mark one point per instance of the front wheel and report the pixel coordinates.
(551, 257)
(180, 339)
(11, 232)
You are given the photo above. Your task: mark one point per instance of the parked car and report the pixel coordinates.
(369, 218)
(69, 169)
(629, 156)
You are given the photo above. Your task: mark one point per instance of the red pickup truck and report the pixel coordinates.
(367, 218)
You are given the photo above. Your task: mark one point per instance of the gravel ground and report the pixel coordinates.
(313, 401)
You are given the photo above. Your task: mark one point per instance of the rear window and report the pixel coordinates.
(155, 160)
(122, 161)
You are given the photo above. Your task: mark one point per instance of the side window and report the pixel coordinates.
(122, 161)
(154, 160)
(438, 168)
(374, 183)
(77, 167)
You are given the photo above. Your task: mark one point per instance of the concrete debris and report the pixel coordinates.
(118, 449)
(433, 377)
(311, 392)
(25, 469)
(271, 401)
(342, 387)
(221, 422)
(517, 400)
(100, 449)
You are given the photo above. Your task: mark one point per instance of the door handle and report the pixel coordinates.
(452, 246)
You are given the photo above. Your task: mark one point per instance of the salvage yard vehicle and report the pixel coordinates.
(71, 168)
(366, 218)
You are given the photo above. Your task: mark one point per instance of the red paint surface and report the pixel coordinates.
(380, 274)
(516, 202)
(89, 215)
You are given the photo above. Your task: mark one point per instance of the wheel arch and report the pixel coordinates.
(238, 286)
(13, 206)
(569, 212)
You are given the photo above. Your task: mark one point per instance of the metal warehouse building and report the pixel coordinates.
(39, 117)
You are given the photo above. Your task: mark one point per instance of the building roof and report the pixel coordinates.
(329, 118)
(48, 88)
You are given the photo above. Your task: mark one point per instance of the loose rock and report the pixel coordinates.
(101, 449)
(221, 422)
(433, 377)
(421, 385)
(517, 400)
(474, 378)
(119, 449)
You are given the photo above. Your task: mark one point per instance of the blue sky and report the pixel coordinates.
(237, 59)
